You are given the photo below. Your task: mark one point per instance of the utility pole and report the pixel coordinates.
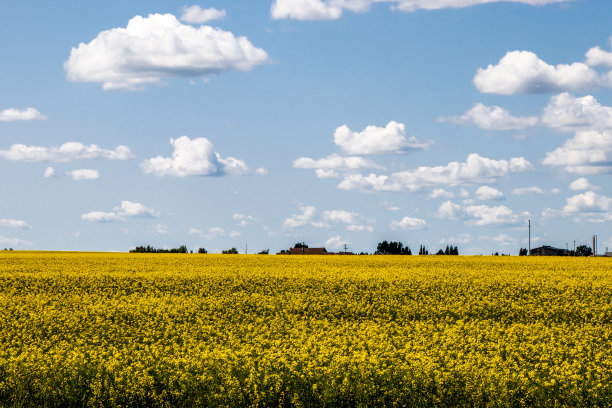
(345, 249)
(529, 236)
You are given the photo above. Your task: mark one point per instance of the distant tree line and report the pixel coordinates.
(450, 250)
(149, 249)
(398, 248)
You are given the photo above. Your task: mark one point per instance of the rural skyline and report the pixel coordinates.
(340, 122)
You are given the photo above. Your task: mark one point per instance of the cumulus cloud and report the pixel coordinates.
(476, 169)
(582, 184)
(218, 232)
(588, 152)
(527, 190)
(84, 174)
(596, 56)
(502, 239)
(126, 209)
(330, 166)
(197, 15)
(409, 223)
(335, 243)
(588, 206)
(195, 231)
(376, 140)
(463, 238)
(489, 193)
(67, 152)
(101, 216)
(11, 223)
(340, 216)
(132, 209)
(360, 228)
(193, 158)
(12, 114)
(299, 220)
(159, 46)
(49, 172)
(478, 215)
(492, 118)
(333, 9)
(567, 113)
(261, 171)
(522, 72)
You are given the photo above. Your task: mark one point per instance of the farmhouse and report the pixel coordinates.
(546, 250)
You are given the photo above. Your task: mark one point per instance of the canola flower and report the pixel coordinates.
(167, 330)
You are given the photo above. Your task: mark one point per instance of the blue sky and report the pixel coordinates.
(261, 124)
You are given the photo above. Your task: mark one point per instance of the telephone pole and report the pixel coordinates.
(529, 236)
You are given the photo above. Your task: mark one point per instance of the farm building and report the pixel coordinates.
(546, 250)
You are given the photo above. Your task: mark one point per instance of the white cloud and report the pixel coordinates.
(193, 158)
(389, 205)
(335, 243)
(67, 152)
(12, 241)
(195, 231)
(476, 169)
(49, 172)
(596, 56)
(492, 118)
(409, 223)
(588, 152)
(567, 113)
(299, 220)
(132, 209)
(161, 229)
(329, 166)
(489, 193)
(588, 202)
(11, 223)
(527, 190)
(522, 72)
(360, 228)
(478, 215)
(333, 9)
(502, 239)
(261, 171)
(100, 216)
(376, 140)
(582, 184)
(441, 193)
(341, 216)
(84, 174)
(481, 215)
(197, 15)
(12, 114)
(243, 220)
(127, 209)
(159, 46)
(448, 210)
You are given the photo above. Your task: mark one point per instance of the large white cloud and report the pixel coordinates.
(588, 152)
(12, 114)
(67, 152)
(333, 9)
(193, 158)
(198, 15)
(478, 215)
(597, 56)
(522, 72)
(476, 169)
(568, 113)
(12, 223)
(492, 118)
(159, 46)
(376, 140)
(409, 223)
(588, 206)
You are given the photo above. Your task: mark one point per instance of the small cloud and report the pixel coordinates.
(100, 216)
(484, 193)
(243, 220)
(161, 229)
(492, 118)
(83, 174)
(132, 209)
(335, 243)
(10, 223)
(390, 139)
(527, 190)
(13, 241)
(12, 114)
(49, 172)
(195, 231)
(582, 184)
(441, 193)
(261, 171)
(409, 223)
(197, 15)
(299, 220)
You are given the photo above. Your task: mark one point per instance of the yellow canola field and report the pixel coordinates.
(170, 330)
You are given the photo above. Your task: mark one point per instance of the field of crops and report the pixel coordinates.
(191, 330)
